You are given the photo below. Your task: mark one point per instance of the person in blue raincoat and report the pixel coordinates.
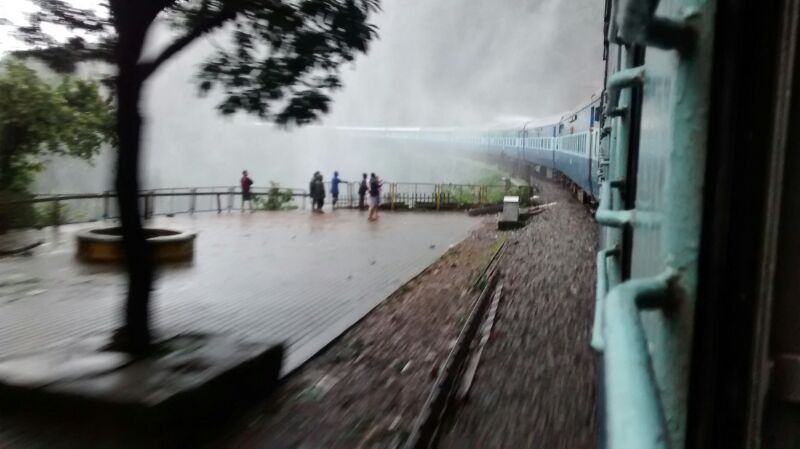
(335, 181)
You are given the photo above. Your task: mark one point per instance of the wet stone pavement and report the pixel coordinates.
(267, 276)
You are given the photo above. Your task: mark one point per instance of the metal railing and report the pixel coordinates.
(51, 210)
(432, 196)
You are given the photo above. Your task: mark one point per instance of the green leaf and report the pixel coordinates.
(38, 119)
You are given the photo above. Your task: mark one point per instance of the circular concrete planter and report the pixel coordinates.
(105, 244)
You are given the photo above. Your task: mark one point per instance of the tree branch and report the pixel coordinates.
(208, 25)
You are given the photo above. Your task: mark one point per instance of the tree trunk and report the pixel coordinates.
(5, 169)
(135, 335)
(8, 143)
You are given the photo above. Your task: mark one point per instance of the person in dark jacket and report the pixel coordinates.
(247, 195)
(317, 193)
(312, 192)
(374, 196)
(363, 188)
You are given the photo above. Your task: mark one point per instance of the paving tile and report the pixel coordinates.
(264, 277)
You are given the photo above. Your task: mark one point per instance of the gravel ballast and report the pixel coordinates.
(535, 385)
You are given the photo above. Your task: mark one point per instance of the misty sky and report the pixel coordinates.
(448, 62)
(436, 63)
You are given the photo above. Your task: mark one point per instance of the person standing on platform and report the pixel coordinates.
(363, 188)
(374, 197)
(335, 181)
(317, 192)
(312, 192)
(247, 196)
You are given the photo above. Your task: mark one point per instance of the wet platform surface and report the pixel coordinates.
(269, 276)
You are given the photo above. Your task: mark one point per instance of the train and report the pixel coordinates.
(569, 147)
(692, 163)
(689, 160)
(566, 146)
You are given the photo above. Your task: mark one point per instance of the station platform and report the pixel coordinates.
(292, 276)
